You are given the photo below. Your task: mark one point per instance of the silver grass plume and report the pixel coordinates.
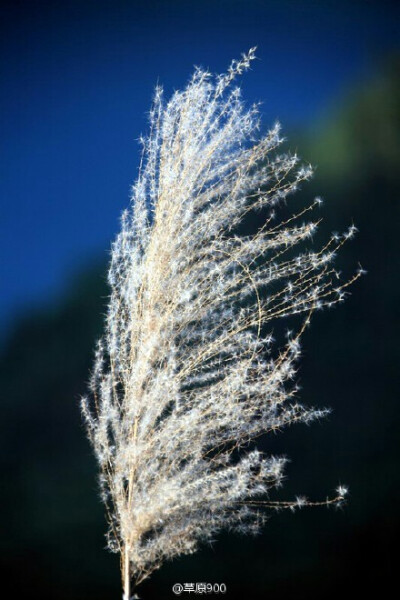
(185, 373)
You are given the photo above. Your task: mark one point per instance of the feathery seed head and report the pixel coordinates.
(184, 376)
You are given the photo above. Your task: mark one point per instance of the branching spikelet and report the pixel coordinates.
(185, 372)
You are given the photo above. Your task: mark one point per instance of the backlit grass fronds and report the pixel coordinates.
(186, 374)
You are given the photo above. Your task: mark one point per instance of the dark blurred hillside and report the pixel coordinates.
(52, 522)
(52, 526)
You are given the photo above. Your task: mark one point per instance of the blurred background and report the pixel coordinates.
(77, 79)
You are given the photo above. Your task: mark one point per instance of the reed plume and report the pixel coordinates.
(187, 373)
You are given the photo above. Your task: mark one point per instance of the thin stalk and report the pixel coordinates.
(126, 575)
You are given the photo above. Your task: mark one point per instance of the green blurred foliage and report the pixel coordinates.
(53, 526)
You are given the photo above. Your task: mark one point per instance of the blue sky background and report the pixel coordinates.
(77, 79)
